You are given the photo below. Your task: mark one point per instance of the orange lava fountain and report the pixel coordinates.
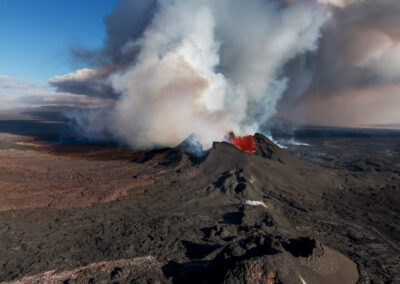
(245, 143)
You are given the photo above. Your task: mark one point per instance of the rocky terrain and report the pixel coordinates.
(319, 214)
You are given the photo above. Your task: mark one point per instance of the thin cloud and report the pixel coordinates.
(17, 93)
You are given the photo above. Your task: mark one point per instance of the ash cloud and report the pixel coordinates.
(360, 47)
(194, 67)
(176, 68)
(124, 25)
(356, 66)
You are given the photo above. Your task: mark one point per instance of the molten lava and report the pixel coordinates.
(245, 143)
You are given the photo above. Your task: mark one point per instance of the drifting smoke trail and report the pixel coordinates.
(205, 68)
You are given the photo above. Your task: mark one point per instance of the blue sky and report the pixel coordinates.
(35, 35)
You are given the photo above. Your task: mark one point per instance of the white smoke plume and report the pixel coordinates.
(205, 68)
(338, 3)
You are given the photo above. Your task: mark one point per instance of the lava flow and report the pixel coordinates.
(245, 143)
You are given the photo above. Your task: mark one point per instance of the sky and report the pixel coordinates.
(35, 36)
(154, 72)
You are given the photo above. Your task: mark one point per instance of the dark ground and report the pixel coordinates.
(331, 213)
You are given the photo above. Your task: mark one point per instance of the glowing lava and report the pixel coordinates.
(245, 143)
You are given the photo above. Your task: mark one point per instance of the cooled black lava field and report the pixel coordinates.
(323, 213)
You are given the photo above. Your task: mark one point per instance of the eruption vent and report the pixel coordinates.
(245, 143)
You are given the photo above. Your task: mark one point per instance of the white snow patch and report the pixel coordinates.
(302, 280)
(255, 203)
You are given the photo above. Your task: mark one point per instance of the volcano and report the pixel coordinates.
(220, 219)
(238, 214)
